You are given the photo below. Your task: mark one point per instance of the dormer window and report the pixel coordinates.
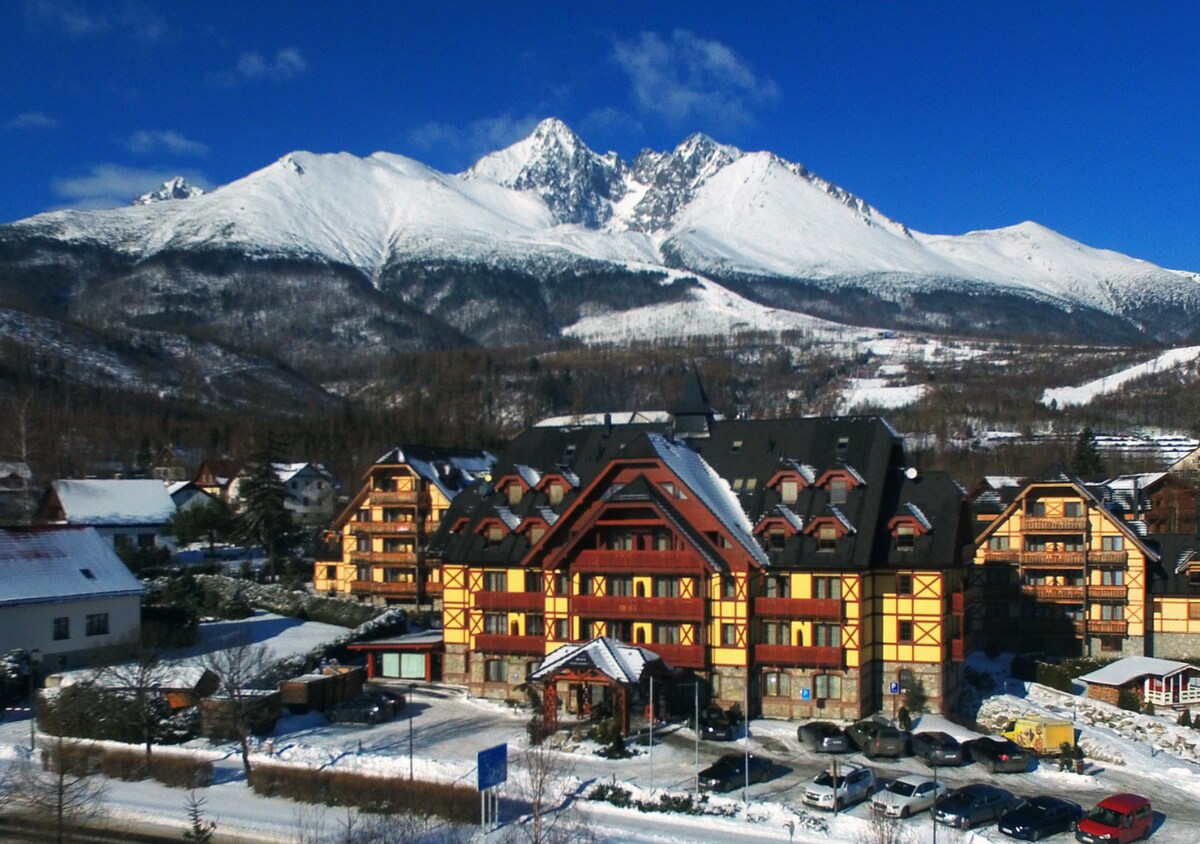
(789, 491)
(737, 446)
(838, 488)
(827, 538)
(905, 536)
(514, 494)
(495, 535)
(556, 494)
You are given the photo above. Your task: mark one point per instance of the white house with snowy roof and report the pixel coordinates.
(127, 513)
(65, 593)
(312, 491)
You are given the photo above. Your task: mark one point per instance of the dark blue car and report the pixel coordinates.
(1038, 817)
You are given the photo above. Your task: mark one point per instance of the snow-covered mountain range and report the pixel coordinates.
(319, 254)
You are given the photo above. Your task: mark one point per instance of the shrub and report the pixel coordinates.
(1185, 718)
(611, 793)
(181, 771)
(1128, 699)
(124, 764)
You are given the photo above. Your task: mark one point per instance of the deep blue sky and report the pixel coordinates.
(947, 116)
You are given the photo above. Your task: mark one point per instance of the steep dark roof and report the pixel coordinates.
(1169, 577)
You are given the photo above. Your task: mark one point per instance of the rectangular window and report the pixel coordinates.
(562, 583)
(97, 624)
(1112, 577)
(1035, 544)
(904, 584)
(1037, 509)
(1073, 509)
(495, 581)
(620, 586)
(1112, 543)
(392, 575)
(1112, 612)
(997, 543)
(905, 537)
(393, 545)
(331, 572)
(827, 687)
(776, 586)
(827, 587)
(789, 491)
(1193, 610)
(586, 585)
(494, 671)
(621, 630)
(728, 586)
(556, 494)
(619, 540)
(1110, 644)
(145, 540)
(776, 684)
(533, 581)
(776, 539)
(776, 633)
(666, 634)
(62, 628)
(362, 543)
(495, 535)
(662, 540)
(562, 629)
(120, 540)
(905, 631)
(364, 515)
(729, 637)
(514, 494)
(827, 539)
(362, 573)
(838, 490)
(827, 635)
(495, 623)
(535, 624)
(666, 587)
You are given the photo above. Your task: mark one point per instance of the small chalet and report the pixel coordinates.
(413, 656)
(1162, 682)
(215, 476)
(127, 513)
(312, 492)
(65, 593)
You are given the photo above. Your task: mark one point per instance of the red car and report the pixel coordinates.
(1121, 818)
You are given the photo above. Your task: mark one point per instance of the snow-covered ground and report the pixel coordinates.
(1084, 393)
(1127, 752)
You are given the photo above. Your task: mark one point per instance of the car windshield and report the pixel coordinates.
(826, 778)
(904, 789)
(1106, 816)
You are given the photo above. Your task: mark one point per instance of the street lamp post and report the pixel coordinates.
(412, 690)
(35, 659)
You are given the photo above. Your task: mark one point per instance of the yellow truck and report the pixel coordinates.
(1043, 736)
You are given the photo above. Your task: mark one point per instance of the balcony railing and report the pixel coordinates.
(1053, 593)
(434, 587)
(813, 657)
(1109, 558)
(678, 656)
(384, 557)
(378, 587)
(1108, 593)
(520, 601)
(496, 643)
(1052, 559)
(1107, 627)
(603, 560)
(823, 608)
(1044, 524)
(377, 496)
(389, 528)
(1006, 555)
(614, 606)
(1060, 626)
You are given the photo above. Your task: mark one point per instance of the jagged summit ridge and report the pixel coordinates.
(176, 188)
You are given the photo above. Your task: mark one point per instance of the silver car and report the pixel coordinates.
(907, 796)
(852, 784)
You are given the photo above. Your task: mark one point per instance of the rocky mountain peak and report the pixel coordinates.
(176, 188)
(673, 178)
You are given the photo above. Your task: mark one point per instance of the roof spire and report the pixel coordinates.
(693, 413)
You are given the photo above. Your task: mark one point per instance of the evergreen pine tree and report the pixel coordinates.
(264, 519)
(1087, 459)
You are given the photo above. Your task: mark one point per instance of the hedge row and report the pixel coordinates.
(82, 758)
(386, 795)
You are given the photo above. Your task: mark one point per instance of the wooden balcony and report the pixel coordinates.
(641, 609)
(678, 656)
(378, 587)
(433, 587)
(384, 557)
(1109, 558)
(385, 528)
(1108, 593)
(648, 562)
(1060, 626)
(495, 643)
(1107, 628)
(1008, 555)
(792, 655)
(514, 601)
(823, 608)
(377, 496)
(1044, 524)
(1052, 559)
(1053, 593)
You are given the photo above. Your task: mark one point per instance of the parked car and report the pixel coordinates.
(1120, 819)
(999, 755)
(852, 784)
(906, 796)
(973, 805)
(395, 700)
(729, 772)
(1036, 817)
(877, 738)
(715, 724)
(937, 748)
(363, 709)
(824, 737)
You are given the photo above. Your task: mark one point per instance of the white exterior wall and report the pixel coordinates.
(29, 626)
(161, 540)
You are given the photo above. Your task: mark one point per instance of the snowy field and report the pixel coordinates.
(1127, 752)
(1084, 393)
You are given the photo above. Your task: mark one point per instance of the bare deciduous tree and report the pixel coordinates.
(140, 681)
(542, 779)
(63, 791)
(237, 669)
(357, 827)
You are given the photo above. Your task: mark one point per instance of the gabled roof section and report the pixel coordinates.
(780, 513)
(511, 520)
(623, 663)
(711, 489)
(908, 510)
(789, 467)
(451, 470)
(547, 515)
(842, 470)
(114, 502)
(834, 516)
(1134, 668)
(54, 564)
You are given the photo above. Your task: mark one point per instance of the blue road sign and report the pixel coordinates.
(493, 766)
(806, 694)
(894, 688)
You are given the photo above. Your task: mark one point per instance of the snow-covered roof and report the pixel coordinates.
(841, 517)
(15, 469)
(508, 517)
(618, 417)
(788, 514)
(916, 512)
(1133, 667)
(287, 471)
(711, 489)
(999, 481)
(803, 469)
(618, 660)
(114, 502)
(450, 471)
(1186, 556)
(546, 513)
(52, 564)
(529, 475)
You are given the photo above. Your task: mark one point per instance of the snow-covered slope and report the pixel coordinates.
(549, 203)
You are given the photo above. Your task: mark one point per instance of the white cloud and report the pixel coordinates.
(689, 78)
(112, 185)
(252, 66)
(31, 120)
(77, 20)
(464, 145)
(147, 141)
